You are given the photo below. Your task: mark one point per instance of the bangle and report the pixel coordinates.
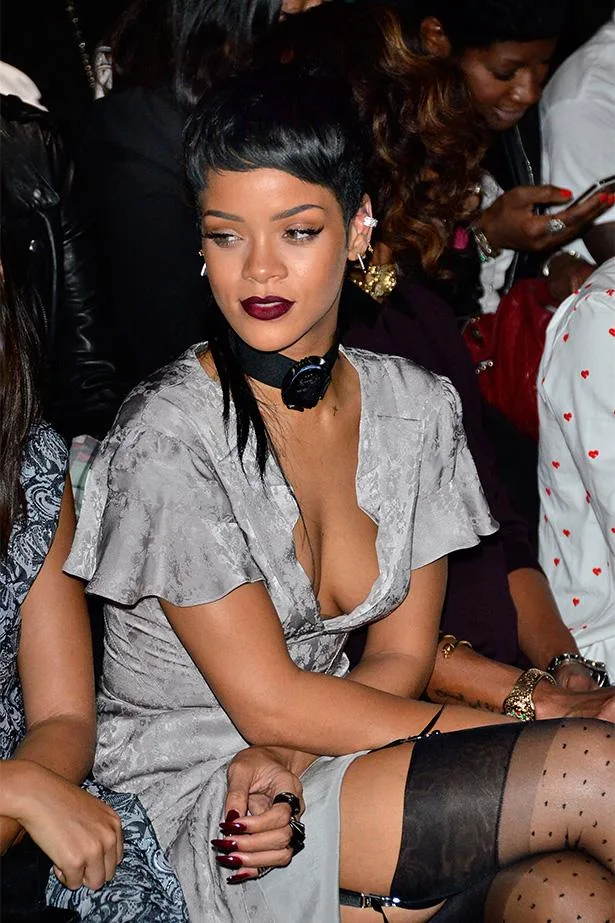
(596, 667)
(452, 643)
(546, 266)
(485, 250)
(519, 703)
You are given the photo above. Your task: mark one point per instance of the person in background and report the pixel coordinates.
(576, 389)
(164, 54)
(55, 43)
(504, 49)
(577, 113)
(497, 598)
(47, 249)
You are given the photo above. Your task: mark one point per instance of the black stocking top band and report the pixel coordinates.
(303, 383)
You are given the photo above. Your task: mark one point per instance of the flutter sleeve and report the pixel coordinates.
(451, 512)
(156, 521)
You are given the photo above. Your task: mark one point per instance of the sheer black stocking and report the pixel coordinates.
(487, 799)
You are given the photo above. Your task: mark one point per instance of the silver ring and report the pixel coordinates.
(555, 226)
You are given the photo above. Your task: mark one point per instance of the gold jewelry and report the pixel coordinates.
(452, 643)
(519, 703)
(376, 281)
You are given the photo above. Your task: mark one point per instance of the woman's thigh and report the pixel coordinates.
(434, 830)
(372, 807)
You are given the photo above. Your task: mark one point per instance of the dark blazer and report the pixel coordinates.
(147, 230)
(420, 326)
(47, 249)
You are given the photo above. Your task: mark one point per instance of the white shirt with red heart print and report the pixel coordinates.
(576, 467)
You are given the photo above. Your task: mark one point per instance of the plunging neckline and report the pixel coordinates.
(395, 430)
(330, 619)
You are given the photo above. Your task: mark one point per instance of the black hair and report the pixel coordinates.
(20, 388)
(279, 117)
(186, 44)
(480, 23)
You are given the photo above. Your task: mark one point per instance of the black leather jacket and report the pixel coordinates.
(47, 250)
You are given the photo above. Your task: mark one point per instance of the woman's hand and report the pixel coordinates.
(556, 702)
(512, 224)
(81, 835)
(256, 833)
(574, 677)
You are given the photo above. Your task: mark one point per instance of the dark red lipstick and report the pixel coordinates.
(266, 307)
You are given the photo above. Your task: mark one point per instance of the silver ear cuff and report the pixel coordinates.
(370, 222)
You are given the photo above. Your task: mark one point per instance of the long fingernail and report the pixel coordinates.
(237, 879)
(229, 862)
(225, 845)
(231, 816)
(230, 829)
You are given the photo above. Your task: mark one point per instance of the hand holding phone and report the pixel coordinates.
(606, 186)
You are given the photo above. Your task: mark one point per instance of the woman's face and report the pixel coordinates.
(506, 78)
(276, 251)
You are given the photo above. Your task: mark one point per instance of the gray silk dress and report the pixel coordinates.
(168, 513)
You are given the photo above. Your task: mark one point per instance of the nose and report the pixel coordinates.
(528, 88)
(263, 263)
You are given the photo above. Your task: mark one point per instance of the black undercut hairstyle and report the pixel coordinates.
(281, 117)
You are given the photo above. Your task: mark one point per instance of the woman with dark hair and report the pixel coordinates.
(258, 499)
(497, 598)
(165, 53)
(107, 864)
(504, 50)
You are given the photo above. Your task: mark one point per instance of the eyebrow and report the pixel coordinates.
(288, 213)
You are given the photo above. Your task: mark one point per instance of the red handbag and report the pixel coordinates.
(507, 347)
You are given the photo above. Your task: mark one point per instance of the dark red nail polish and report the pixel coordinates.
(225, 845)
(231, 816)
(237, 879)
(230, 829)
(229, 862)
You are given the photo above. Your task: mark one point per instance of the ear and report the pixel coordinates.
(434, 39)
(360, 230)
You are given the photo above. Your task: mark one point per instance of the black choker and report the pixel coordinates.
(303, 383)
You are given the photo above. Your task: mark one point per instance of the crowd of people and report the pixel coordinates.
(353, 581)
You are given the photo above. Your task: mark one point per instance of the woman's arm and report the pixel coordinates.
(55, 664)
(467, 678)
(39, 792)
(542, 632)
(400, 649)
(238, 645)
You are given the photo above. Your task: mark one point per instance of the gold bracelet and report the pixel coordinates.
(452, 643)
(519, 703)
